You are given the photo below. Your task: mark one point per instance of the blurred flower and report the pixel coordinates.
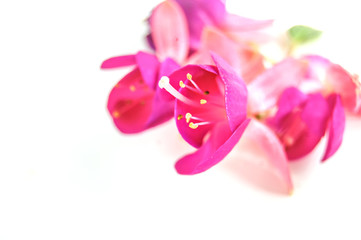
(302, 120)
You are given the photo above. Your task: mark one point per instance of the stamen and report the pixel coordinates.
(180, 116)
(189, 77)
(188, 117)
(193, 126)
(164, 84)
(181, 84)
(203, 101)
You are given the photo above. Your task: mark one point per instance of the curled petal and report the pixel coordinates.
(219, 144)
(170, 31)
(235, 93)
(336, 126)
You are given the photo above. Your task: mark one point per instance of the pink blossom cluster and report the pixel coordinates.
(205, 70)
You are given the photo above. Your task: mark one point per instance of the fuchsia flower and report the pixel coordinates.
(134, 102)
(302, 120)
(210, 112)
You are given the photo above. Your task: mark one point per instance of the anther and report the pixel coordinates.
(181, 84)
(189, 76)
(180, 116)
(203, 101)
(192, 125)
(188, 117)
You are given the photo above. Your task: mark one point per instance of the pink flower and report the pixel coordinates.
(210, 112)
(302, 120)
(134, 102)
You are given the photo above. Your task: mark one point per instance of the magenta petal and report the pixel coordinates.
(315, 116)
(265, 139)
(121, 61)
(289, 100)
(148, 65)
(219, 144)
(235, 93)
(130, 106)
(161, 111)
(336, 127)
(167, 67)
(170, 31)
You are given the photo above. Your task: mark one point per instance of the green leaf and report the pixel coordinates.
(302, 34)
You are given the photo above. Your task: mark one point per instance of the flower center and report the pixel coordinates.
(209, 108)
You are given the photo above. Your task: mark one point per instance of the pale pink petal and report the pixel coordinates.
(265, 140)
(121, 61)
(219, 144)
(237, 23)
(170, 31)
(265, 90)
(348, 86)
(336, 126)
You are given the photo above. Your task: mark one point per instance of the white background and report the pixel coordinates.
(67, 173)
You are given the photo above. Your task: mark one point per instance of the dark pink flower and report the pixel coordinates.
(210, 112)
(134, 102)
(303, 119)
